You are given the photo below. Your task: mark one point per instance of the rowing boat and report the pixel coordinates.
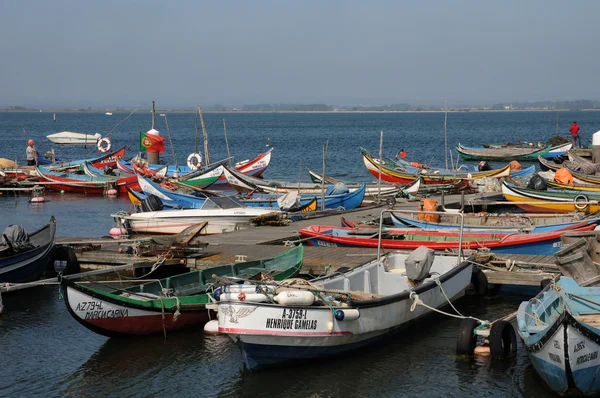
(165, 305)
(511, 153)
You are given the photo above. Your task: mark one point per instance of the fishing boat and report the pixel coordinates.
(165, 305)
(560, 329)
(544, 243)
(108, 159)
(81, 183)
(409, 189)
(550, 201)
(510, 153)
(71, 138)
(108, 113)
(255, 167)
(347, 200)
(24, 256)
(222, 214)
(334, 315)
(391, 175)
(496, 223)
(373, 192)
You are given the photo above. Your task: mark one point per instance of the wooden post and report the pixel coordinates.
(226, 142)
(445, 132)
(205, 136)
(175, 174)
(153, 115)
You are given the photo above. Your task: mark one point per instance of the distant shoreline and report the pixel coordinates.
(284, 112)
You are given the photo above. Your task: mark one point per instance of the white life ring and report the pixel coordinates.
(101, 146)
(194, 165)
(581, 206)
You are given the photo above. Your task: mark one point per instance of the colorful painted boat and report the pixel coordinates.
(28, 264)
(577, 188)
(373, 192)
(354, 310)
(166, 305)
(510, 153)
(408, 239)
(108, 159)
(391, 175)
(496, 223)
(550, 201)
(560, 329)
(82, 183)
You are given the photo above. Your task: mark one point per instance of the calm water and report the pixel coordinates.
(44, 352)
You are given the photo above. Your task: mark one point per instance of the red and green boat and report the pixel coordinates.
(165, 305)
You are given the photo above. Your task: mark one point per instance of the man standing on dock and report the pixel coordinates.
(31, 153)
(575, 134)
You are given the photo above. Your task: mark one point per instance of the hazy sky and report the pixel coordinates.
(182, 53)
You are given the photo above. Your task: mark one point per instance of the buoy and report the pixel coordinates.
(62, 191)
(211, 327)
(111, 192)
(117, 232)
(38, 199)
(295, 297)
(347, 315)
(482, 350)
(247, 288)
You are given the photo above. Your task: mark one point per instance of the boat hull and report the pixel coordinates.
(270, 334)
(111, 318)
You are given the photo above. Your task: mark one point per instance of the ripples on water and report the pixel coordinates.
(44, 352)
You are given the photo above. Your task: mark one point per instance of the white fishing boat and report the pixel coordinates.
(222, 214)
(333, 315)
(108, 113)
(71, 138)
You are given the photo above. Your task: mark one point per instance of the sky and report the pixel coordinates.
(185, 53)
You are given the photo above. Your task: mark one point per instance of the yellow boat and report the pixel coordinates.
(549, 202)
(574, 187)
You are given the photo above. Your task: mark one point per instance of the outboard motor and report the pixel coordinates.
(418, 263)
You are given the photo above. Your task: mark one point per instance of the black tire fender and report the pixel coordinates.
(479, 281)
(467, 339)
(503, 339)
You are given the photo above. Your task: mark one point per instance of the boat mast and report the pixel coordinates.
(380, 164)
(226, 142)
(325, 145)
(197, 133)
(172, 148)
(445, 132)
(205, 136)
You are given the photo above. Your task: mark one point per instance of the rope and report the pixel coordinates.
(60, 294)
(417, 301)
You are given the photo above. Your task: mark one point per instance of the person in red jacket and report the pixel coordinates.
(575, 134)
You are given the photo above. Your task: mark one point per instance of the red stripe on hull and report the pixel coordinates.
(152, 324)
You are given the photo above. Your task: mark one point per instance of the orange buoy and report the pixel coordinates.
(482, 350)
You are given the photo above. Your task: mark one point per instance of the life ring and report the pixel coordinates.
(194, 161)
(101, 146)
(581, 206)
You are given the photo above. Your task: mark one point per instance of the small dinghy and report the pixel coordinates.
(71, 138)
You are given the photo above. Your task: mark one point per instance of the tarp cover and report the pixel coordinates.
(418, 263)
(337, 189)
(18, 238)
(289, 201)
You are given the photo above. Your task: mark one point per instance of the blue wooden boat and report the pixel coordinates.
(348, 200)
(507, 223)
(560, 329)
(28, 264)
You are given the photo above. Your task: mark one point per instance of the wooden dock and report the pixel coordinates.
(268, 241)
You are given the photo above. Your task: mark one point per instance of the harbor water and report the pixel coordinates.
(45, 352)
